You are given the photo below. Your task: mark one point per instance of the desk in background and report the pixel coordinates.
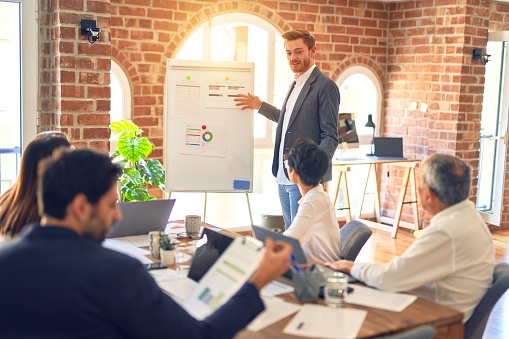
(343, 166)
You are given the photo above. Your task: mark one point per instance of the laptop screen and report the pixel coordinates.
(389, 147)
(210, 247)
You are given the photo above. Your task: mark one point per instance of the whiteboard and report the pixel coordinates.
(209, 140)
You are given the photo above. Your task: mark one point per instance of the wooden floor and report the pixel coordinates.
(381, 248)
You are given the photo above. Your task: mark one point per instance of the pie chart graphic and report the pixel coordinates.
(207, 136)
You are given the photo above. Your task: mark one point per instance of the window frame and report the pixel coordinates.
(365, 139)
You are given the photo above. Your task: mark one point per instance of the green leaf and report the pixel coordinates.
(125, 129)
(135, 149)
(154, 173)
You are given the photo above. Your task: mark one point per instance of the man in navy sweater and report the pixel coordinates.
(58, 282)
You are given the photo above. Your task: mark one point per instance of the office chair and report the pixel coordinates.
(354, 235)
(421, 332)
(474, 327)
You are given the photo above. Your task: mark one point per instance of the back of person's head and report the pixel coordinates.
(19, 203)
(308, 38)
(448, 176)
(309, 161)
(73, 172)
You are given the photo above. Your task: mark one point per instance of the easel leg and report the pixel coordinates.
(346, 198)
(401, 200)
(359, 214)
(413, 189)
(249, 209)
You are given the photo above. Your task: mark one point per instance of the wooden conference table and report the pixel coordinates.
(343, 166)
(447, 321)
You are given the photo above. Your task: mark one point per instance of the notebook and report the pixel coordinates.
(212, 244)
(389, 148)
(142, 217)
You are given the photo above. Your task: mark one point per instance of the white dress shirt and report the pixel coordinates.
(290, 104)
(316, 227)
(451, 263)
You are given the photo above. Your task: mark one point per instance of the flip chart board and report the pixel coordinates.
(209, 140)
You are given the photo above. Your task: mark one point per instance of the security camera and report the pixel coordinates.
(89, 28)
(93, 34)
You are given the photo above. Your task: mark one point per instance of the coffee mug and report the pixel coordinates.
(193, 225)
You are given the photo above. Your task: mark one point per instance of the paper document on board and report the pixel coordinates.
(225, 277)
(367, 296)
(318, 321)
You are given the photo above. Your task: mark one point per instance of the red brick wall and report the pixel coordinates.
(74, 74)
(420, 51)
(430, 62)
(146, 33)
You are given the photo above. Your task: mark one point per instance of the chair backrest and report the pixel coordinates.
(353, 236)
(474, 327)
(421, 332)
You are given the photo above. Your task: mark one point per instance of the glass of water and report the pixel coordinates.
(336, 289)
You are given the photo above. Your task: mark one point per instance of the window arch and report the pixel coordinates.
(361, 94)
(245, 37)
(120, 98)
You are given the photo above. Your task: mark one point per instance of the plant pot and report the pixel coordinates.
(167, 256)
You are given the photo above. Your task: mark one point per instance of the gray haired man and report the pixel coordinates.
(452, 262)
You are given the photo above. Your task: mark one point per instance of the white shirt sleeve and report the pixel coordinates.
(428, 259)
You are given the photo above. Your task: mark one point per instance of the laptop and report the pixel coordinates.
(209, 248)
(141, 217)
(389, 148)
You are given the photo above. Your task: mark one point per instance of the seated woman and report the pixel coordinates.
(315, 224)
(18, 205)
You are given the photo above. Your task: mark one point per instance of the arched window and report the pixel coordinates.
(361, 94)
(245, 37)
(120, 98)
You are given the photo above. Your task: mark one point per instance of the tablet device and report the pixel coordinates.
(209, 248)
(261, 233)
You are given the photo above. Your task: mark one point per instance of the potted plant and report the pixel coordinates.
(131, 152)
(167, 248)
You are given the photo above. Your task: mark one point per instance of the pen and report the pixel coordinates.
(301, 324)
(294, 263)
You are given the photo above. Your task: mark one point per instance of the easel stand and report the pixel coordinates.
(205, 204)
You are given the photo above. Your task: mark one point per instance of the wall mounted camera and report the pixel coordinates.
(477, 54)
(89, 28)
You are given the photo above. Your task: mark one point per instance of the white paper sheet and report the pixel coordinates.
(230, 271)
(136, 240)
(167, 275)
(275, 288)
(275, 310)
(318, 321)
(178, 289)
(367, 296)
(127, 248)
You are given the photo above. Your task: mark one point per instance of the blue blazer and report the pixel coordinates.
(315, 116)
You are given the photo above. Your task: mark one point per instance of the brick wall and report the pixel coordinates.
(430, 62)
(420, 51)
(74, 74)
(146, 33)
